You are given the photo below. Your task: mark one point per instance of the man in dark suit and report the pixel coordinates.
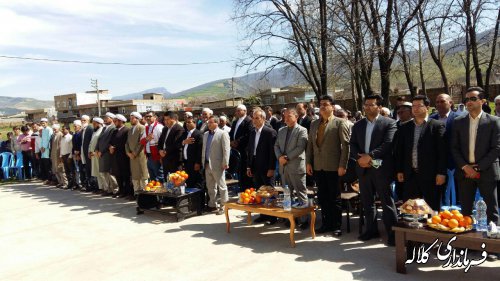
(304, 119)
(404, 116)
(240, 132)
(371, 145)
(170, 143)
(270, 119)
(120, 162)
(88, 182)
(475, 147)
(444, 104)
(260, 154)
(421, 155)
(110, 185)
(192, 141)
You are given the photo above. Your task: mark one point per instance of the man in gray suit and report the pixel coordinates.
(110, 185)
(476, 157)
(215, 159)
(326, 156)
(290, 148)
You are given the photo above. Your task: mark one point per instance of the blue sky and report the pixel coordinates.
(139, 31)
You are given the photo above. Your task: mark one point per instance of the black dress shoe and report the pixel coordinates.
(492, 257)
(323, 229)
(304, 225)
(271, 220)
(260, 219)
(368, 236)
(337, 233)
(210, 209)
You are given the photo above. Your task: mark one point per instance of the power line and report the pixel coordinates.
(115, 63)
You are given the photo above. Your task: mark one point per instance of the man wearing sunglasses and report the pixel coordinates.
(475, 145)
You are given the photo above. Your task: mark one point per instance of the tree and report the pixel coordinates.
(252, 101)
(279, 33)
(381, 20)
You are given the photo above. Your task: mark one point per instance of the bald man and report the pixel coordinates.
(444, 104)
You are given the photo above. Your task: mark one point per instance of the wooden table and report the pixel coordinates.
(405, 238)
(275, 212)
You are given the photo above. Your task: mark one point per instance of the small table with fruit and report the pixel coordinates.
(443, 226)
(187, 201)
(254, 202)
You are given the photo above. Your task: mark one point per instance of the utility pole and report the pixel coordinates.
(95, 85)
(232, 88)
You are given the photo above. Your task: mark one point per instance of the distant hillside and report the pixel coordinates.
(10, 105)
(159, 90)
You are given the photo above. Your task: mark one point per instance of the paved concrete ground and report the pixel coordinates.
(52, 234)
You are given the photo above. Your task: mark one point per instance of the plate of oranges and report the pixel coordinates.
(450, 221)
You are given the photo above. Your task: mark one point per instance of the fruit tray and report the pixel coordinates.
(443, 228)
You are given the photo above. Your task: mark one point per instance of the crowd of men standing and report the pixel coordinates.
(424, 156)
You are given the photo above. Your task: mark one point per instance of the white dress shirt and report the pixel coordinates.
(66, 144)
(186, 145)
(257, 137)
(238, 123)
(473, 125)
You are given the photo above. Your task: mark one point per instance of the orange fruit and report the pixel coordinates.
(436, 219)
(247, 191)
(246, 200)
(468, 220)
(258, 199)
(458, 216)
(444, 222)
(447, 215)
(455, 212)
(462, 223)
(252, 189)
(453, 223)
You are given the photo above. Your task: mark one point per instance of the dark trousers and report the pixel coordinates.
(371, 183)
(418, 187)
(244, 181)
(45, 166)
(260, 178)
(27, 160)
(195, 179)
(68, 169)
(36, 165)
(90, 183)
(399, 188)
(488, 189)
(124, 182)
(329, 198)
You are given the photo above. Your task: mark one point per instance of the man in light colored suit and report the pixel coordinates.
(289, 149)
(327, 155)
(215, 159)
(135, 152)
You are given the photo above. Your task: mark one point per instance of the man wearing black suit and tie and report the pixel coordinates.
(170, 143)
(240, 132)
(475, 147)
(371, 145)
(304, 119)
(192, 141)
(261, 157)
(421, 155)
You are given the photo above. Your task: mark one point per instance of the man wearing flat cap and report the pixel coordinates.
(102, 150)
(120, 163)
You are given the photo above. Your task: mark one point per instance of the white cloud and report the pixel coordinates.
(109, 29)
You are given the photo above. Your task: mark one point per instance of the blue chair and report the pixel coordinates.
(18, 166)
(7, 159)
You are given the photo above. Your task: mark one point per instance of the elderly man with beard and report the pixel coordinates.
(110, 185)
(135, 152)
(97, 124)
(120, 163)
